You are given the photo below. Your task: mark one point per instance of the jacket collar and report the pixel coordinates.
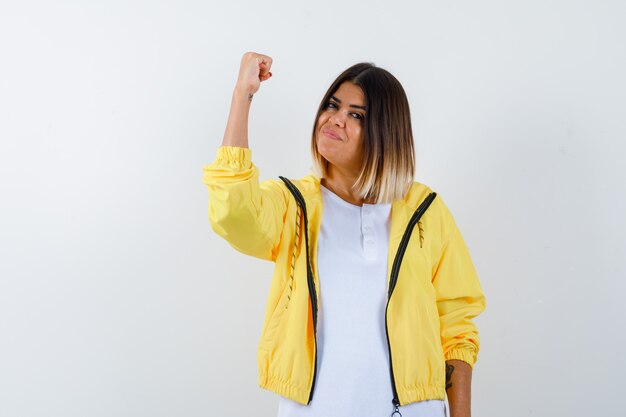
(309, 186)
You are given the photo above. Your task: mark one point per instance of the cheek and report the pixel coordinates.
(359, 138)
(322, 119)
(357, 132)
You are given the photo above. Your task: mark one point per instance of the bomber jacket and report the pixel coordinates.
(433, 289)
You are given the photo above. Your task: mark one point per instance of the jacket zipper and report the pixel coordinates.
(395, 270)
(392, 282)
(309, 273)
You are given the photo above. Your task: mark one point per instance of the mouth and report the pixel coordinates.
(330, 134)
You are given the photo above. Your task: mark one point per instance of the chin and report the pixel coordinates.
(325, 148)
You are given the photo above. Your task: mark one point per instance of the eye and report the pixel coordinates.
(358, 116)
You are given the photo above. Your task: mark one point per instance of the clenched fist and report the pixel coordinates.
(254, 68)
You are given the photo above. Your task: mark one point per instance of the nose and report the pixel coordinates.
(338, 118)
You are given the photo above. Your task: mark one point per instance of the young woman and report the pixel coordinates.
(374, 291)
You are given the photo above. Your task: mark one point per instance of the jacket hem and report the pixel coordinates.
(421, 393)
(284, 388)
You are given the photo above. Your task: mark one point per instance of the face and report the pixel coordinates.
(340, 129)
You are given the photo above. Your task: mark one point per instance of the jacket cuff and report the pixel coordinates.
(234, 157)
(462, 354)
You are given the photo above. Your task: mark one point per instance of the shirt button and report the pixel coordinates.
(367, 228)
(366, 211)
(369, 241)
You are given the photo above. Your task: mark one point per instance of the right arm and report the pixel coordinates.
(249, 215)
(254, 69)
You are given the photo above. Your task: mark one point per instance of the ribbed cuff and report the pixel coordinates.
(235, 157)
(462, 354)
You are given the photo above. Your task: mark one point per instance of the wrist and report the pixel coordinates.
(242, 93)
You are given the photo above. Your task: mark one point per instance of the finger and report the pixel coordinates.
(263, 71)
(262, 66)
(265, 61)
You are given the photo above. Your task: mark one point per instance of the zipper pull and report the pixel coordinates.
(396, 411)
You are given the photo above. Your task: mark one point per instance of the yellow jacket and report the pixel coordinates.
(434, 291)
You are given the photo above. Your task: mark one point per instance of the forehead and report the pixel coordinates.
(351, 93)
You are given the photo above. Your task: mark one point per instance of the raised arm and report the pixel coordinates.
(246, 213)
(254, 68)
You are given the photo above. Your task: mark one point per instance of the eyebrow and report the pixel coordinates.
(351, 105)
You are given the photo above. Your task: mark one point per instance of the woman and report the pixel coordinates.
(373, 293)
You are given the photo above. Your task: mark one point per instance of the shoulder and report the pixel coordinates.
(437, 212)
(307, 185)
(416, 194)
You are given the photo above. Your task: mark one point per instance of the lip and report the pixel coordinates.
(331, 134)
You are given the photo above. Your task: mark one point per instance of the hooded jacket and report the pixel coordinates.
(433, 289)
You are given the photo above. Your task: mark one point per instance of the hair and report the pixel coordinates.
(388, 166)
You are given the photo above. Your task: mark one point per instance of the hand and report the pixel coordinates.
(254, 68)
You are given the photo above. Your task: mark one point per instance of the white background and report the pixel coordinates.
(117, 299)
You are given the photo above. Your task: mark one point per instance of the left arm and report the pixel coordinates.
(458, 388)
(459, 300)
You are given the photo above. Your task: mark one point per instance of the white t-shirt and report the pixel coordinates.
(353, 378)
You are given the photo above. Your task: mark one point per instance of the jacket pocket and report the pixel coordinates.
(289, 284)
(276, 316)
(294, 252)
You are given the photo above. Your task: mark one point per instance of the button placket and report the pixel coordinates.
(369, 241)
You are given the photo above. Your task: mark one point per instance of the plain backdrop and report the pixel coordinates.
(117, 299)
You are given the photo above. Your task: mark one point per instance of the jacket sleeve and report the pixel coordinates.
(459, 294)
(249, 215)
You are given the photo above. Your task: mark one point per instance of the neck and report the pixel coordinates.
(341, 185)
